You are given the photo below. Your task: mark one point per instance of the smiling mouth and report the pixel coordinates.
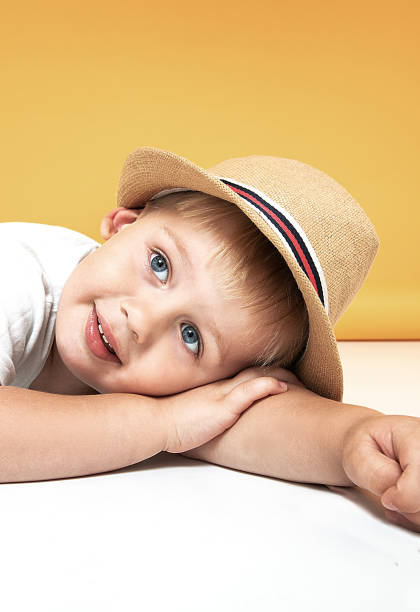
(104, 338)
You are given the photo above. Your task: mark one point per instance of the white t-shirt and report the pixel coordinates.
(35, 262)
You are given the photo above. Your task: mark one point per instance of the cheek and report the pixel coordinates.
(156, 375)
(115, 269)
(98, 275)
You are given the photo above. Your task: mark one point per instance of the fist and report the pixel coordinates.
(382, 454)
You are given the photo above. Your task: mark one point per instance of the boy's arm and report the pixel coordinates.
(295, 436)
(46, 435)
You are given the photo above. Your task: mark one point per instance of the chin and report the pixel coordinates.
(71, 355)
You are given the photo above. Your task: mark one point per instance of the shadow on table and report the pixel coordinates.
(168, 460)
(361, 497)
(371, 503)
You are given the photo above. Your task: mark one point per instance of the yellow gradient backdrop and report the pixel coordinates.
(334, 84)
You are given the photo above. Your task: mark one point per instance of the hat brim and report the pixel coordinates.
(148, 171)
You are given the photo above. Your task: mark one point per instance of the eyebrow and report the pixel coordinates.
(187, 261)
(183, 251)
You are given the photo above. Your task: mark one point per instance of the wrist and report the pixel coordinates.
(161, 407)
(142, 430)
(352, 431)
(331, 425)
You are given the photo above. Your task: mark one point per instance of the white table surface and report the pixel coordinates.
(175, 534)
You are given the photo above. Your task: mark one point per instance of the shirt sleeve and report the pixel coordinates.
(25, 303)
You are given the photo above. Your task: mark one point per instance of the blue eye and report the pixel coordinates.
(191, 337)
(159, 265)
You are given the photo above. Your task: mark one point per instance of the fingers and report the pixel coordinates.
(383, 455)
(269, 371)
(370, 469)
(394, 486)
(404, 496)
(248, 392)
(282, 374)
(398, 489)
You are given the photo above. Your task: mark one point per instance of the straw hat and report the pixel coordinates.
(323, 234)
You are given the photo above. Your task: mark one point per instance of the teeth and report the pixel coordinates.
(103, 335)
(105, 339)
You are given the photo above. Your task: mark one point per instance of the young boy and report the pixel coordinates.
(186, 292)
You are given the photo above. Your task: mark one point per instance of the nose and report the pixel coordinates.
(145, 321)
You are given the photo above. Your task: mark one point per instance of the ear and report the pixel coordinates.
(115, 220)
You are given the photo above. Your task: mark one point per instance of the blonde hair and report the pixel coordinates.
(251, 270)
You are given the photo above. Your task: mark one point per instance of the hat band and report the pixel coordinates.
(289, 231)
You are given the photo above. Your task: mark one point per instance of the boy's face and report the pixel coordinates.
(158, 309)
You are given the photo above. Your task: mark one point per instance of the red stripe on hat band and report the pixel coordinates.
(303, 258)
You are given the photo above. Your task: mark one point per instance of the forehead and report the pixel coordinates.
(185, 234)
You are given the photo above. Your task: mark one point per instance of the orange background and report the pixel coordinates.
(333, 84)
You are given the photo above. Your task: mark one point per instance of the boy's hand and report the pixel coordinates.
(282, 374)
(382, 454)
(198, 415)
